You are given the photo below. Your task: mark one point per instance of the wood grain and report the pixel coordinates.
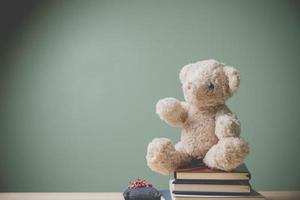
(270, 195)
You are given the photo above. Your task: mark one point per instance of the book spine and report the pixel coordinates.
(212, 193)
(212, 182)
(249, 176)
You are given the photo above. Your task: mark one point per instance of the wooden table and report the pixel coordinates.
(270, 195)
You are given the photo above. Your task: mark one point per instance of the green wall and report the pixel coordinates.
(80, 81)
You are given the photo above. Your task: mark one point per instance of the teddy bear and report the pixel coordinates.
(210, 132)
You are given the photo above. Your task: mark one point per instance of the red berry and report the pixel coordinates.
(139, 183)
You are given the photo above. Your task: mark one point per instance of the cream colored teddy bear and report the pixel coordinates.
(209, 130)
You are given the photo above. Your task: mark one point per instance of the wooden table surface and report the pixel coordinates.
(270, 195)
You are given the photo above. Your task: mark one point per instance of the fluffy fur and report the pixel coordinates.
(210, 131)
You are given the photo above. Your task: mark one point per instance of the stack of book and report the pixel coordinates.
(198, 182)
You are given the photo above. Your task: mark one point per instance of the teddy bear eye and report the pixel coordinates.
(210, 86)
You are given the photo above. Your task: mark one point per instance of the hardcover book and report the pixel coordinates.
(209, 186)
(253, 195)
(201, 172)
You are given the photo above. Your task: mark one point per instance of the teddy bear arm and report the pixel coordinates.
(227, 125)
(172, 111)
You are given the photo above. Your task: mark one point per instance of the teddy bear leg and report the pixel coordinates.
(227, 154)
(164, 157)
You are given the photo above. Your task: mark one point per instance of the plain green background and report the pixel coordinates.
(81, 79)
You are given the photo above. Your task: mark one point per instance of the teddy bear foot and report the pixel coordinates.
(162, 156)
(227, 154)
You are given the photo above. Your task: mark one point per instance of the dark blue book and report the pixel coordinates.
(204, 193)
(253, 195)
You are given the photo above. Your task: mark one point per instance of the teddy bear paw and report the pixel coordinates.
(166, 107)
(160, 155)
(228, 154)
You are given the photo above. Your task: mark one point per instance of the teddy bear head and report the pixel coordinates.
(208, 82)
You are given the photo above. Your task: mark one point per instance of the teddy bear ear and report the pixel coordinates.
(233, 78)
(185, 71)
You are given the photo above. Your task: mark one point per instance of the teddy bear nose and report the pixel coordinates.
(210, 86)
